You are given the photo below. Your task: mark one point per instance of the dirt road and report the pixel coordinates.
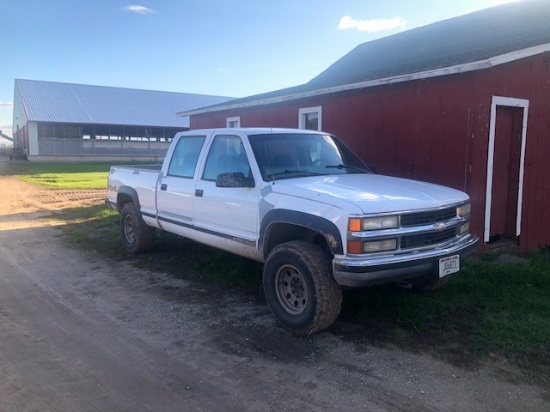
(79, 332)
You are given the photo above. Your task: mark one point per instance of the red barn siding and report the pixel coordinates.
(436, 130)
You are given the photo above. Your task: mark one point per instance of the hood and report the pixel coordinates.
(371, 193)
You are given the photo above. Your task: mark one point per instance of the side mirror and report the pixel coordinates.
(234, 180)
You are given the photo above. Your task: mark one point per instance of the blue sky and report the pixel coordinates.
(219, 47)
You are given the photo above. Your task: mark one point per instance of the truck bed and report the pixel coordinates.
(143, 179)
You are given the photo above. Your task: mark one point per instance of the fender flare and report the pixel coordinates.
(128, 191)
(324, 227)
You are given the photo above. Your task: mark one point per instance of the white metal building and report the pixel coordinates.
(63, 121)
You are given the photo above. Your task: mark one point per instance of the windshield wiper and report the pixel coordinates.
(343, 166)
(272, 176)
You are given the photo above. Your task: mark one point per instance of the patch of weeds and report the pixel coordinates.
(398, 336)
(97, 227)
(488, 309)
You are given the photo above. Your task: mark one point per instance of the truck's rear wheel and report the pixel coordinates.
(137, 236)
(300, 289)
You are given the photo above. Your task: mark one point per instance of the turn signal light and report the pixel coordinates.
(355, 248)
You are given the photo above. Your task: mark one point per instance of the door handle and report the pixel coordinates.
(163, 186)
(199, 192)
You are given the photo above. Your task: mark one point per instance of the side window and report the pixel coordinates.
(186, 154)
(227, 155)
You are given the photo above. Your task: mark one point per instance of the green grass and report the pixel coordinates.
(489, 310)
(63, 175)
(98, 227)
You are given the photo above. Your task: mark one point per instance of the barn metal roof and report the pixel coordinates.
(472, 41)
(472, 37)
(77, 103)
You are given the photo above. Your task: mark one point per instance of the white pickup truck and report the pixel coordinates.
(303, 204)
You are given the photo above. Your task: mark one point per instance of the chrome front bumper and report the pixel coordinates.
(368, 271)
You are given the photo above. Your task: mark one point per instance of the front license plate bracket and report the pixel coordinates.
(449, 265)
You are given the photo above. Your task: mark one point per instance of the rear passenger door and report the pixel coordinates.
(230, 213)
(176, 187)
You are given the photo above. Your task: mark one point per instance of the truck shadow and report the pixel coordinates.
(445, 323)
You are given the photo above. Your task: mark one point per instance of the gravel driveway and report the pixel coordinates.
(79, 332)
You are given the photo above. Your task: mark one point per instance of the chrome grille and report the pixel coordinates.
(427, 239)
(426, 218)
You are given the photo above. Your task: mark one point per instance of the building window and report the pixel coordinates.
(233, 121)
(309, 118)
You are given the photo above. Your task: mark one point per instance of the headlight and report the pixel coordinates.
(373, 223)
(373, 246)
(464, 210)
(380, 246)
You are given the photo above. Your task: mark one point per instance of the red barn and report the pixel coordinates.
(463, 102)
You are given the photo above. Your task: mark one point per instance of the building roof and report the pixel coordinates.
(465, 39)
(472, 41)
(77, 103)
(4, 136)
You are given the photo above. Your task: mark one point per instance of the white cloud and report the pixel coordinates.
(349, 23)
(139, 9)
(6, 104)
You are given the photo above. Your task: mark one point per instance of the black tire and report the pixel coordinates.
(300, 289)
(137, 236)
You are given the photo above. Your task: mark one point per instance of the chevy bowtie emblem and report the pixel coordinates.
(440, 226)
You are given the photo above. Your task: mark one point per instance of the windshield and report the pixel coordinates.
(284, 156)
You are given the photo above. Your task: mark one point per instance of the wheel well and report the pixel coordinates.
(280, 232)
(122, 199)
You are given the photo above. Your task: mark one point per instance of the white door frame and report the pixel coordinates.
(511, 102)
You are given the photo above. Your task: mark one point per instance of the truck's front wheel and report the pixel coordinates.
(137, 236)
(300, 289)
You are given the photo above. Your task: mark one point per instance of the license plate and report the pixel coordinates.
(448, 265)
